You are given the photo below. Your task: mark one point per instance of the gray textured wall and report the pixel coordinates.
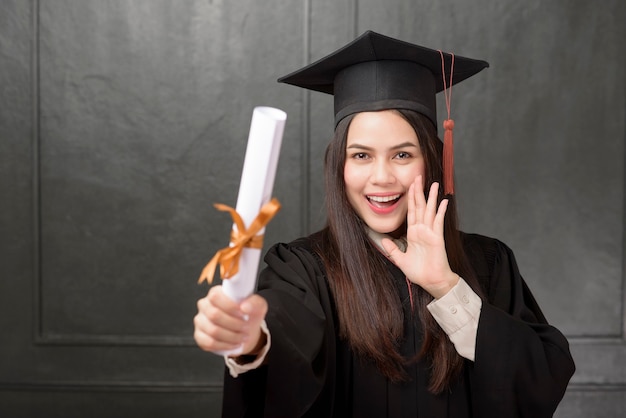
(121, 122)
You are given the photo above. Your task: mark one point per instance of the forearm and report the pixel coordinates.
(458, 313)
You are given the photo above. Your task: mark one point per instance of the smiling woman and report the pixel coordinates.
(390, 310)
(383, 160)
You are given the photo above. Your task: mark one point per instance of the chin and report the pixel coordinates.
(393, 230)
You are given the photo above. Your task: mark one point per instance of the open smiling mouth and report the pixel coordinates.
(383, 201)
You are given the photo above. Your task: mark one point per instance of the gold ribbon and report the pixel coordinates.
(228, 257)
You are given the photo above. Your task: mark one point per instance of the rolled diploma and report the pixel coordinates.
(255, 190)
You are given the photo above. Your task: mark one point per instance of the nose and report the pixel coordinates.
(382, 173)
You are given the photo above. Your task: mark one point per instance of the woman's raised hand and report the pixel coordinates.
(425, 261)
(223, 325)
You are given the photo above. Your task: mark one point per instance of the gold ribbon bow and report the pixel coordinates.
(228, 257)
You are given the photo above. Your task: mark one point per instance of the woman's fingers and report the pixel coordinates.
(431, 205)
(224, 325)
(416, 202)
(440, 217)
(219, 300)
(411, 216)
(211, 337)
(419, 209)
(220, 324)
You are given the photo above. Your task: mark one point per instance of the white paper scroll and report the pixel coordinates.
(255, 190)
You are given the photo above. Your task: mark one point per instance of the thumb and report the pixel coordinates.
(254, 306)
(391, 249)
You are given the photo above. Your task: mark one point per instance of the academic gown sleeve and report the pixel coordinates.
(300, 379)
(522, 364)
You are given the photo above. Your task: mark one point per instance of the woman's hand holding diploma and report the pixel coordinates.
(223, 325)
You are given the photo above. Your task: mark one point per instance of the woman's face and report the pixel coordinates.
(383, 158)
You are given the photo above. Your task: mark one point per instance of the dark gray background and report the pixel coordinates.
(121, 122)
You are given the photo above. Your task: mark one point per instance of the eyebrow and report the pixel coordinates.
(402, 145)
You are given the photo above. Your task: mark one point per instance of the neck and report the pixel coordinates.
(377, 239)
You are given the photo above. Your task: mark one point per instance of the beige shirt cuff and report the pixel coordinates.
(458, 312)
(236, 368)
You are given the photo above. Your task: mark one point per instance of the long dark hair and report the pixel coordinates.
(368, 306)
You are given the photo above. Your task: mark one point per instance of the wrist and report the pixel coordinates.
(451, 281)
(260, 343)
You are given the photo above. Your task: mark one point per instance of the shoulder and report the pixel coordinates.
(294, 260)
(492, 261)
(307, 243)
(303, 248)
(483, 248)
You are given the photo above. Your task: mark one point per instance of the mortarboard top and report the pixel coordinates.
(376, 72)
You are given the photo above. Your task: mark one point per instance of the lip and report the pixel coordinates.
(386, 210)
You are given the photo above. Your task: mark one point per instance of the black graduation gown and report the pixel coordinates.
(522, 365)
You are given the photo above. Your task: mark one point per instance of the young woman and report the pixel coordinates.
(390, 310)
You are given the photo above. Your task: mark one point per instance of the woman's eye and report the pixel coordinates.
(359, 156)
(403, 155)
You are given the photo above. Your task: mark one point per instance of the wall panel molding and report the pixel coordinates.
(202, 63)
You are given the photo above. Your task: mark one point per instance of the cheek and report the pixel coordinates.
(408, 175)
(420, 169)
(354, 184)
(350, 176)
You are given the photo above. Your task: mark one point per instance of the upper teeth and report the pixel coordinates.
(383, 199)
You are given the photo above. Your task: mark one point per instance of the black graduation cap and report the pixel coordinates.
(376, 72)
